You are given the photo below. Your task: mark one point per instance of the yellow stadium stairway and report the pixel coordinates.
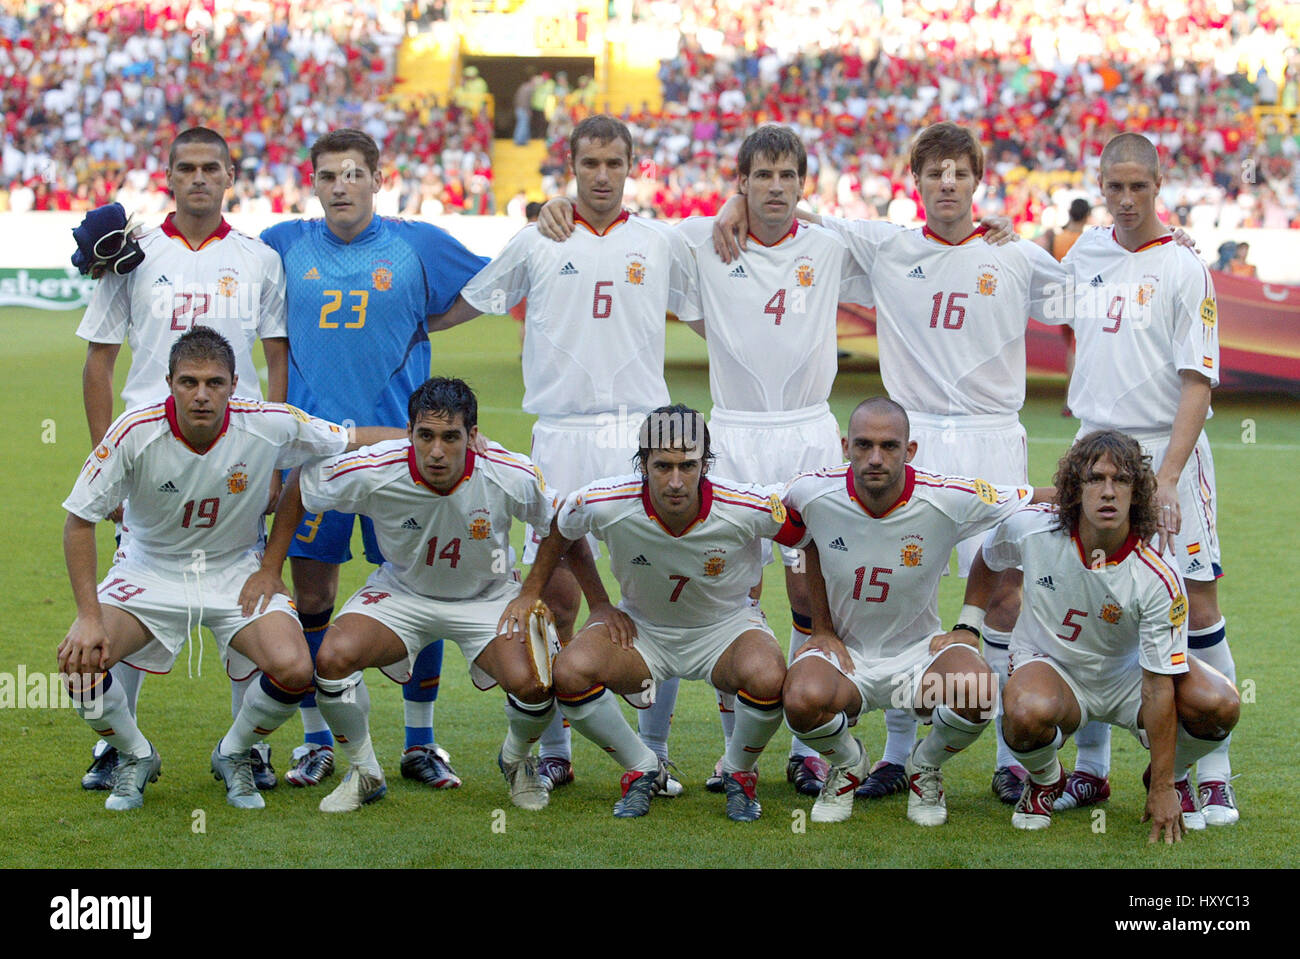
(516, 168)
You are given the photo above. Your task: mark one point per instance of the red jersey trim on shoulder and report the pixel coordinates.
(794, 229)
(909, 484)
(366, 461)
(505, 460)
(220, 233)
(149, 414)
(1163, 573)
(175, 425)
(419, 480)
(929, 234)
(1129, 545)
(621, 218)
(706, 503)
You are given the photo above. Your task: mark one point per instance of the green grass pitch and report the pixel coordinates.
(48, 821)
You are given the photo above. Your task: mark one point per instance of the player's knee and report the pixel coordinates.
(1003, 611)
(1025, 714)
(314, 596)
(806, 703)
(571, 673)
(765, 678)
(336, 660)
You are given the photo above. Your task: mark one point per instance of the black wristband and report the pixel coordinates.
(978, 634)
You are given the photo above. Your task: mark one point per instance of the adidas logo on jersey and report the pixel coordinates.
(569, 269)
(1046, 582)
(1194, 565)
(640, 560)
(917, 273)
(838, 543)
(162, 280)
(168, 487)
(1096, 280)
(411, 524)
(739, 273)
(312, 274)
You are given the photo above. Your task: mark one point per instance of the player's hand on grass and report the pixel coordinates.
(273, 496)
(1165, 813)
(555, 222)
(1000, 230)
(730, 228)
(622, 631)
(1169, 518)
(86, 647)
(262, 585)
(832, 645)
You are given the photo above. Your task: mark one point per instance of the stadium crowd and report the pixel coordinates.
(93, 93)
(1044, 88)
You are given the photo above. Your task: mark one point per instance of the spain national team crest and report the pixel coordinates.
(237, 482)
(911, 554)
(987, 284)
(803, 273)
(1145, 292)
(635, 272)
(382, 278)
(1111, 612)
(480, 528)
(227, 284)
(714, 565)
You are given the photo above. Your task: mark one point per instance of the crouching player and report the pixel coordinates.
(685, 550)
(193, 471)
(1103, 635)
(879, 534)
(441, 515)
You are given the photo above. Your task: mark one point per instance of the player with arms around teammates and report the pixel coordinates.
(1146, 322)
(593, 360)
(685, 549)
(441, 514)
(1102, 636)
(197, 270)
(192, 471)
(363, 294)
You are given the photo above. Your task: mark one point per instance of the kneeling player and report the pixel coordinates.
(1103, 635)
(442, 515)
(685, 550)
(193, 471)
(878, 538)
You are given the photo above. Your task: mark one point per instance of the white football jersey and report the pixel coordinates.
(1141, 318)
(184, 506)
(882, 571)
(1101, 622)
(446, 546)
(597, 311)
(951, 318)
(232, 283)
(700, 577)
(770, 316)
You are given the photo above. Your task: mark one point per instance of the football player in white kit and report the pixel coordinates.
(593, 359)
(193, 472)
(197, 270)
(685, 549)
(1146, 322)
(879, 534)
(1103, 635)
(441, 514)
(769, 320)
